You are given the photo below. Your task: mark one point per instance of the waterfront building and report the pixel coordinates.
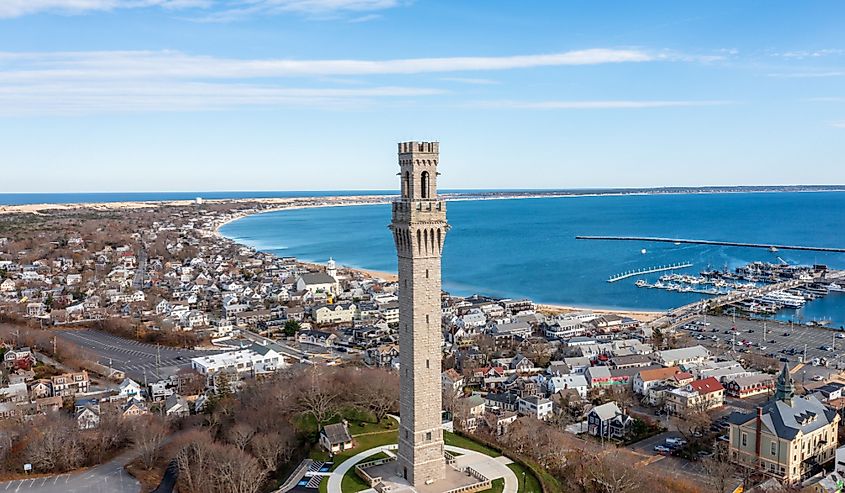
(419, 229)
(788, 438)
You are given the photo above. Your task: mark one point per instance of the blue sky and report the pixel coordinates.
(148, 95)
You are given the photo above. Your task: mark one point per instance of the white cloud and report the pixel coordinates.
(181, 96)
(106, 81)
(220, 9)
(802, 54)
(23, 67)
(470, 80)
(597, 104)
(807, 75)
(18, 8)
(237, 9)
(840, 124)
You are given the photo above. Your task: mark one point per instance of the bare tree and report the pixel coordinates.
(273, 448)
(240, 435)
(380, 392)
(721, 473)
(148, 437)
(317, 396)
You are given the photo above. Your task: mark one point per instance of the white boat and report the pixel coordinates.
(836, 288)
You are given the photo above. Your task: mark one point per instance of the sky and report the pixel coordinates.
(199, 95)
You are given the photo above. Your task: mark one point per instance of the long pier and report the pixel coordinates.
(650, 270)
(710, 242)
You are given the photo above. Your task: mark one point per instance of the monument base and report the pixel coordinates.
(383, 476)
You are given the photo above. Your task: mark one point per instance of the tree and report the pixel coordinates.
(240, 435)
(317, 396)
(720, 472)
(148, 436)
(273, 448)
(291, 327)
(380, 392)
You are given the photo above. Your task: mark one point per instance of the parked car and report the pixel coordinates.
(677, 442)
(660, 449)
(818, 378)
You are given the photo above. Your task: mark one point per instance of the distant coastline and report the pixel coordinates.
(286, 200)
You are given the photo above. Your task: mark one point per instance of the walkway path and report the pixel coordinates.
(492, 468)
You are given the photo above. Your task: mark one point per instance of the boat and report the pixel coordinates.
(835, 288)
(642, 283)
(773, 249)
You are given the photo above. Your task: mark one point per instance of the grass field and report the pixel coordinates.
(497, 486)
(530, 483)
(459, 441)
(351, 483)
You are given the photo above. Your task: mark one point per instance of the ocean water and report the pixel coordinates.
(527, 247)
(103, 197)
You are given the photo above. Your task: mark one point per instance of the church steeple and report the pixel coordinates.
(785, 388)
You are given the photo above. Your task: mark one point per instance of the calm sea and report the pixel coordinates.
(527, 247)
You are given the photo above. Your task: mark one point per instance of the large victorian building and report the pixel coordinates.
(788, 438)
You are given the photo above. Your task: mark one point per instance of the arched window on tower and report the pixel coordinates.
(424, 184)
(406, 184)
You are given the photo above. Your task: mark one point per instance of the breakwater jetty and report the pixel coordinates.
(649, 270)
(711, 242)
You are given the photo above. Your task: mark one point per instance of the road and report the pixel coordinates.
(137, 359)
(105, 478)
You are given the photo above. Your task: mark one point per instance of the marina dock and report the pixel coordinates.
(650, 270)
(716, 243)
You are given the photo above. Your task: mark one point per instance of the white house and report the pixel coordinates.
(535, 406)
(694, 355)
(255, 359)
(571, 381)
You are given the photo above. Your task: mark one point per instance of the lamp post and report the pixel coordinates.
(523, 481)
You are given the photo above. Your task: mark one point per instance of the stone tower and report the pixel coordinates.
(419, 230)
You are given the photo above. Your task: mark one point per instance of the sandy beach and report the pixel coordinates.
(290, 203)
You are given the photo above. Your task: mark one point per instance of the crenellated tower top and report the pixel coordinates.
(418, 169)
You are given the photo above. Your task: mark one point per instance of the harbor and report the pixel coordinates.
(649, 270)
(757, 289)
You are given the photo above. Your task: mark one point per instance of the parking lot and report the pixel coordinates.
(776, 344)
(137, 359)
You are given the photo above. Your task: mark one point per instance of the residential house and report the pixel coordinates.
(176, 406)
(747, 386)
(535, 406)
(336, 438)
(699, 395)
(452, 381)
(608, 421)
(564, 382)
(70, 383)
(683, 356)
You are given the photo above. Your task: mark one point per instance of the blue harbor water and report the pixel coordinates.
(527, 247)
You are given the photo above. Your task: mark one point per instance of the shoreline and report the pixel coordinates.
(347, 200)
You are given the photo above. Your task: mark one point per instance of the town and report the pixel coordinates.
(132, 323)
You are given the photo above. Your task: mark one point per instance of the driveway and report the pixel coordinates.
(105, 478)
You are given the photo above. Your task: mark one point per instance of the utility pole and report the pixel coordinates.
(158, 361)
(804, 359)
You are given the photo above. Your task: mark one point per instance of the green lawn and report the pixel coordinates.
(366, 442)
(497, 486)
(359, 427)
(459, 441)
(352, 483)
(530, 484)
